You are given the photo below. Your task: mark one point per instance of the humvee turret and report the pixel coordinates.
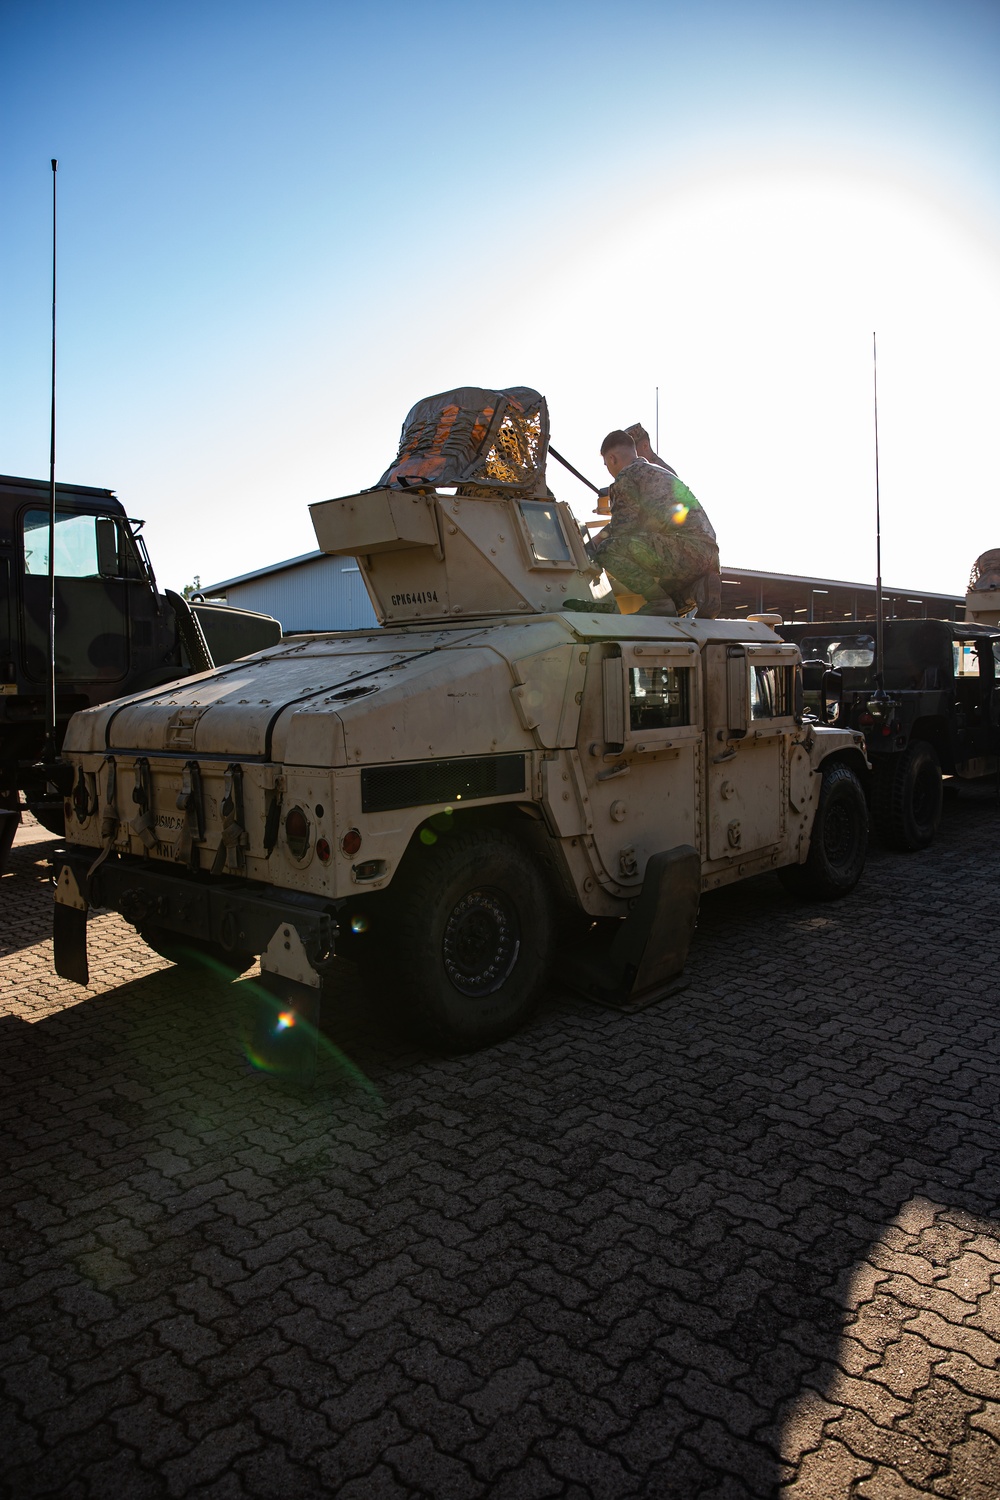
(443, 799)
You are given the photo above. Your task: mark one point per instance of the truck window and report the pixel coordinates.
(859, 652)
(78, 554)
(659, 697)
(771, 692)
(966, 659)
(545, 531)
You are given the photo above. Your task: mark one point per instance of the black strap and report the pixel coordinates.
(567, 465)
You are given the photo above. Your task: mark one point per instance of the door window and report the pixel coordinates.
(771, 692)
(81, 546)
(659, 697)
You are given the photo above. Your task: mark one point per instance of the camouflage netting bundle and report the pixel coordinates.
(485, 441)
(986, 570)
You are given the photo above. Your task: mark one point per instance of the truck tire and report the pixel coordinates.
(50, 815)
(462, 959)
(907, 797)
(195, 953)
(839, 840)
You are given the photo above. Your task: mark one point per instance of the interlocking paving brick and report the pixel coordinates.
(744, 1242)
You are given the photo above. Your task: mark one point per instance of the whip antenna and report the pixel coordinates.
(50, 727)
(878, 530)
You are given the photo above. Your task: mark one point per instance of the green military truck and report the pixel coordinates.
(115, 632)
(938, 713)
(442, 798)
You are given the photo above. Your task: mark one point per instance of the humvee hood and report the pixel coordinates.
(339, 699)
(237, 711)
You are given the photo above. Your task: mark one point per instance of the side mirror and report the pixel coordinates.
(831, 693)
(737, 692)
(108, 563)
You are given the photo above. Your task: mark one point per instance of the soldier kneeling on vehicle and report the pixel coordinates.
(659, 542)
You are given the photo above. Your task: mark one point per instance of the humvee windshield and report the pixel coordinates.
(859, 651)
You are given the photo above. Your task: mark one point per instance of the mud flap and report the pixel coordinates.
(69, 943)
(645, 959)
(9, 821)
(285, 1038)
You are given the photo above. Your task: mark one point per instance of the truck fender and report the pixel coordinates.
(649, 950)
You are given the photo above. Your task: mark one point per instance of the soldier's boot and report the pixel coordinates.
(708, 596)
(664, 605)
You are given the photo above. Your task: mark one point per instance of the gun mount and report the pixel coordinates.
(463, 524)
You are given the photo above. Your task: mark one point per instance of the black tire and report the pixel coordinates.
(195, 954)
(839, 840)
(907, 797)
(51, 817)
(461, 951)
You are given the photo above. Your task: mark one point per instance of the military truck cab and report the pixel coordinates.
(114, 632)
(442, 798)
(938, 713)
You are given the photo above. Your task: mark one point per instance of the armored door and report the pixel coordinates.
(645, 795)
(751, 712)
(92, 606)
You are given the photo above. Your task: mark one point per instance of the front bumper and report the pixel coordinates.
(295, 933)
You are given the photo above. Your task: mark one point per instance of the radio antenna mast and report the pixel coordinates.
(50, 728)
(878, 530)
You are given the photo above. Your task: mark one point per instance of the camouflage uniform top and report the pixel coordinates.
(645, 497)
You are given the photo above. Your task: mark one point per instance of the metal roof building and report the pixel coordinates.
(320, 592)
(311, 592)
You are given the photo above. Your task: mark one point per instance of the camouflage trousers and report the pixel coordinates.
(683, 567)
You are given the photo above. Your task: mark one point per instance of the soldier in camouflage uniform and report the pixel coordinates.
(659, 543)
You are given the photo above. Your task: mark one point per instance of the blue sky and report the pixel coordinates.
(280, 225)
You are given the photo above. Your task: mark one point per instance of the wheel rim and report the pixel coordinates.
(838, 833)
(481, 942)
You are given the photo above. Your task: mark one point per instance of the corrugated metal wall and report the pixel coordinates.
(324, 593)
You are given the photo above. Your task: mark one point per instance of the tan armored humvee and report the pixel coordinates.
(446, 798)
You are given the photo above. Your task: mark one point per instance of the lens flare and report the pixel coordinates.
(680, 515)
(428, 836)
(359, 924)
(286, 1020)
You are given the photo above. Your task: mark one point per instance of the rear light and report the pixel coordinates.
(297, 833)
(351, 842)
(323, 850)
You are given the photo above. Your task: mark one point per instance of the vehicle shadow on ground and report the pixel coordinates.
(24, 920)
(742, 1238)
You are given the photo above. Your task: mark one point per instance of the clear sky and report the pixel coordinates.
(282, 224)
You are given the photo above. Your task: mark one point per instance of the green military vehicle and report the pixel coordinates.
(115, 633)
(444, 798)
(938, 712)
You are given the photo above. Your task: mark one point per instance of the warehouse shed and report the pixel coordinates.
(319, 592)
(311, 592)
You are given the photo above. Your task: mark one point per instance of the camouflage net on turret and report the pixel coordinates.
(485, 442)
(986, 570)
